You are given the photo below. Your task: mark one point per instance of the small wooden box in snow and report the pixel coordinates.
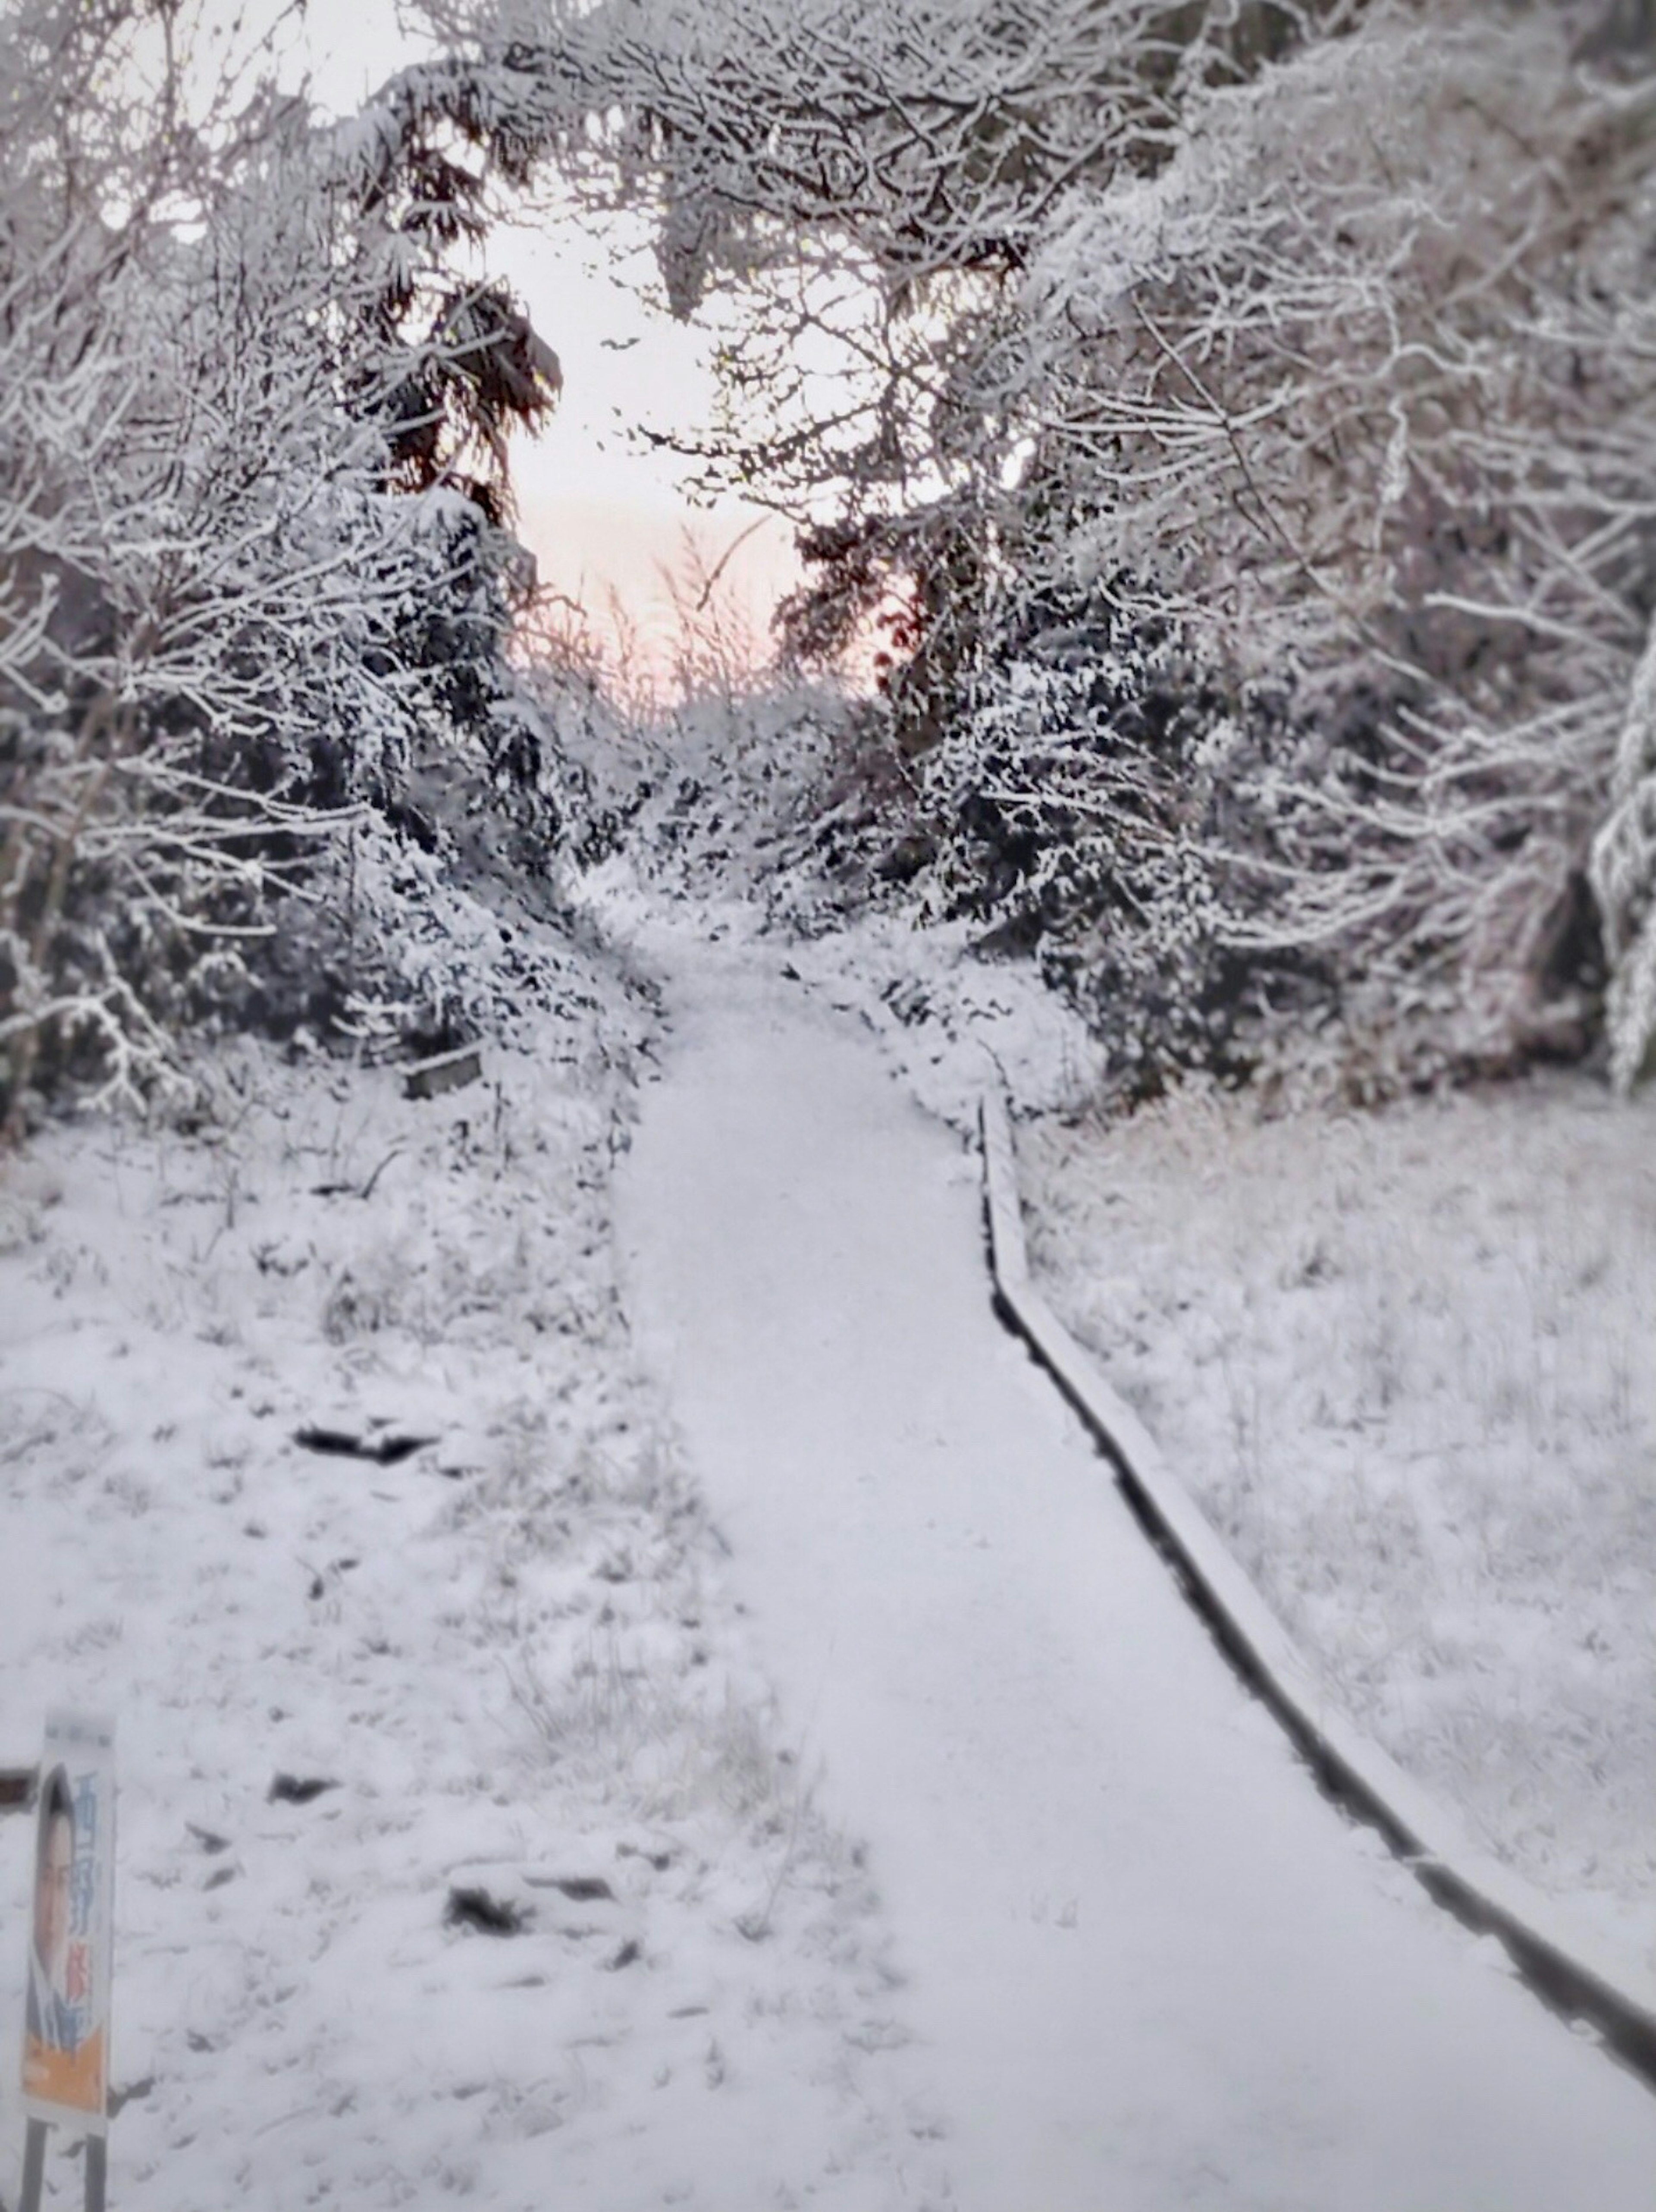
(443, 1071)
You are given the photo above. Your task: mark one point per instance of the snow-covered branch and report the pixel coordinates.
(251, 559)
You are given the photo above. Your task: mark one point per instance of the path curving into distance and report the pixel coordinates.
(1149, 1967)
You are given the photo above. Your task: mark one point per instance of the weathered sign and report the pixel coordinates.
(66, 2027)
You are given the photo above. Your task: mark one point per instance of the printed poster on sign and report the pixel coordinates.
(66, 2029)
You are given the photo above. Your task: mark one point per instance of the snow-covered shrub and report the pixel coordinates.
(723, 771)
(237, 601)
(737, 789)
(1081, 808)
(1220, 877)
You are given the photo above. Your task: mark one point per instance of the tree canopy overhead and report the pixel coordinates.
(1318, 336)
(1240, 412)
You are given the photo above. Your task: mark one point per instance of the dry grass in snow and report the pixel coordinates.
(509, 1656)
(1405, 1361)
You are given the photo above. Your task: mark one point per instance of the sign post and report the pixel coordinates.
(66, 2031)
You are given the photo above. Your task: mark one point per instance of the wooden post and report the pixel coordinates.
(34, 2166)
(96, 2152)
(97, 2171)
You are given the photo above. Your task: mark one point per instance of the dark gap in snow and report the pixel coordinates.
(344, 1444)
(490, 1916)
(297, 1788)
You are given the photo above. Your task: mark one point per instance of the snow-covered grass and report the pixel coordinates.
(510, 1657)
(1403, 1361)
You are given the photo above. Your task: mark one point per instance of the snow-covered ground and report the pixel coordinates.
(511, 1657)
(876, 1827)
(1400, 1356)
(1403, 1361)
(1149, 1965)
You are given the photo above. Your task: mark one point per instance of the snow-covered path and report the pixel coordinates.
(1149, 1967)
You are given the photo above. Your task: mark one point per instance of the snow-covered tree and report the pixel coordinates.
(250, 546)
(1359, 386)
(1320, 332)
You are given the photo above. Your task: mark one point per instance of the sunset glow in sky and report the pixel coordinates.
(602, 512)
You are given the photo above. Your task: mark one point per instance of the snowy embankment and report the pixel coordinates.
(369, 1705)
(1402, 1359)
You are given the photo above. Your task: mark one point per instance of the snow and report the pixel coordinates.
(945, 1020)
(512, 1654)
(1149, 1965)
(756, 1630)
(1400, 1359)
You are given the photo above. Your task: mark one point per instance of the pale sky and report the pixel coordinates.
(601, 513)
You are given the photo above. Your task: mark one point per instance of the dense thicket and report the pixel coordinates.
(1238, 413)
(252, 564)
(1305, 349)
